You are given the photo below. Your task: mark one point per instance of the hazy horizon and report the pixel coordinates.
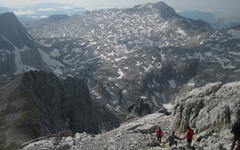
(218, 7)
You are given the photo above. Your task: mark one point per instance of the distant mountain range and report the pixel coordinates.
(43, 10)
(211, 18)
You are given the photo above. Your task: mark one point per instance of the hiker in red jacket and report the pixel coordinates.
(189, 136)
(159, 134)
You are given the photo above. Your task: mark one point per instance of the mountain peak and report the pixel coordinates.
(12, 30)
(163, 9)
(7, 16)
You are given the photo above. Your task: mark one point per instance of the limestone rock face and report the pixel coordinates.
(211, 107)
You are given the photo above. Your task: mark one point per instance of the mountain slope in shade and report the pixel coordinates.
(37, 104)
(19, 51)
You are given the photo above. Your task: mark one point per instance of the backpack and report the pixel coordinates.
(236, 129)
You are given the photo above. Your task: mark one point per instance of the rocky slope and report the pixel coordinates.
(210, 110)
(38, 104)
(148, 50)
(18, 50)
(121, 52)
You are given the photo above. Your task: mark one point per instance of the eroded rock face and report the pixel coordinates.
(211, 107)
(38, 104)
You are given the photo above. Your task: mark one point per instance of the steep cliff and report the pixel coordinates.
(37, 104)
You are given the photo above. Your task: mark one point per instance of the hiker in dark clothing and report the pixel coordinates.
(172, 139)
(159, 134)
(236, 132)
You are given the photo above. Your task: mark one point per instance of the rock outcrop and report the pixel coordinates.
(211, 107)
(38, 104)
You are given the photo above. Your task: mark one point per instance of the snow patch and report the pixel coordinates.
(121, 74)
(168, 106)
(138, 63)
(143, 97)
(124, 91)
(147, 69)
(118, 59)
(191, 82)
(181, 31)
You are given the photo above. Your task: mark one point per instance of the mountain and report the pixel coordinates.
(209, 110)
(148, 50)
(37, 104)
(19, 51)
(162, 8)
(124, 53)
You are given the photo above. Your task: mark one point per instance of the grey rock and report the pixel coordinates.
(211, 107)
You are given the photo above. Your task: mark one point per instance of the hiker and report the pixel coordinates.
(189, 136)
(236, 132)
(159, 134)
(172, 139)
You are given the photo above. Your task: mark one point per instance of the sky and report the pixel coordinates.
(228, 8)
